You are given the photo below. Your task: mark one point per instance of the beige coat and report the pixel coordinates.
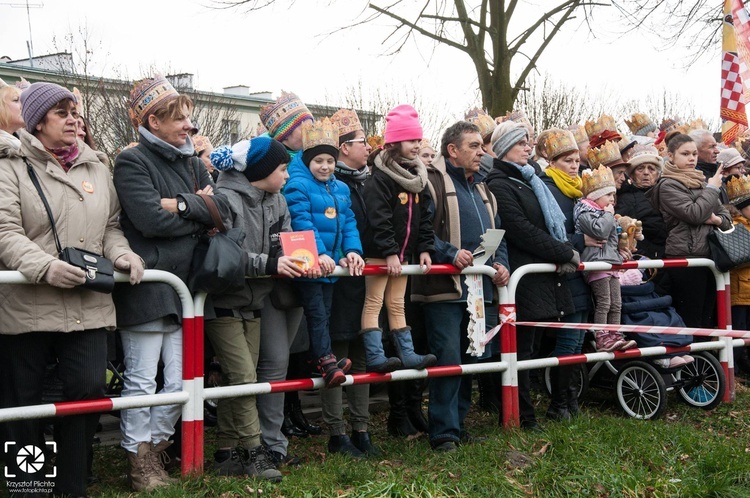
(85, 207)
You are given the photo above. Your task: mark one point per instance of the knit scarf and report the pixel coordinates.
(65, 155)
(12, 139)
(412, 182)
(691, 178)
(554, 218)
(570, 187)
(358, 175)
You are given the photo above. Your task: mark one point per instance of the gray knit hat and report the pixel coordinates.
(506, 135)
(39, 98)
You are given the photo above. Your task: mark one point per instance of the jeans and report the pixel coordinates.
(357, 396)
(388, 289)
(570, 341)
(277, 331)
(82, 363)
(450, 397)
(236, 343)
(316, 301)
(142, 351)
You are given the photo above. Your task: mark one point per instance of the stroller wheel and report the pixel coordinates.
(703, 381)
(580, 378)
(641, 391)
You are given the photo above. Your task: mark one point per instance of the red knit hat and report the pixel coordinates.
(402, 124)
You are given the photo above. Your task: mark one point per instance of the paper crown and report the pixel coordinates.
(640, 124)
(625, 142)
(669, 124)
(377, 142)
(605, 122)
(738, 189)
(696, 124)
(579, 132)
(321, 132)
(425, 143)
(484, 121)
(284, 115)
(607, 154)
(515, 116)
(597, 182)
(558, 142)
(148, 95)
(201, 143)
(347, 121)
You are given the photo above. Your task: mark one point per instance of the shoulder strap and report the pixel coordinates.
(38, 187)
(213, 211)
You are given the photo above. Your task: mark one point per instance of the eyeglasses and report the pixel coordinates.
(363, 141)
(64, 114)
(523, 144)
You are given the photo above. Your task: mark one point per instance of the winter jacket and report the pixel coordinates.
(349, 292)
(143, 175)
(599, 224)
(579, 290)
(541, 296)
(399, 221)
(708, 169)
(685, 211)
(456, 201)
(632, 201)
(326, 209)
(262, 216)
(85, 209)
(740, 277)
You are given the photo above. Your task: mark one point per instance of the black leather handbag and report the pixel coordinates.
(219, 262)
(730, 248)
(100, 274)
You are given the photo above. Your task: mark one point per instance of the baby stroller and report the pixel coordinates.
(641, 385)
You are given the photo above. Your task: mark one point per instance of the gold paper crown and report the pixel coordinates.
(376, 141)
(738, 189)
(484, 121)
(579, 132)
(518, 117)
(347, 121)
(79, 101)
(597, 179)
(605, 122)
(696, 124)
(559, 142)
(640, 124)
(669, 124)
(604, 155)
(424, 143)
(321, 132)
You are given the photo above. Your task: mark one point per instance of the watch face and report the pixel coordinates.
(181, 206)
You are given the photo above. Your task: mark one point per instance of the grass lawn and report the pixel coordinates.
(688, 453)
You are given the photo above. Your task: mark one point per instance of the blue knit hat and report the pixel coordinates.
(256, 158)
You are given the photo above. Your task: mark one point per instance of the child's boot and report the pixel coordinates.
(626, 344)
(405, 350)
(606, 342)
(329, 369)
(374, 356)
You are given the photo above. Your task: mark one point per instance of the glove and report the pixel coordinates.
(131, 262)
(571, 266)
(63, 275)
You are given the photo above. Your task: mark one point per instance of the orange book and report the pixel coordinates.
(301, 245)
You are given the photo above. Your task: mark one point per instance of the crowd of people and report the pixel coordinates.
(565, 195)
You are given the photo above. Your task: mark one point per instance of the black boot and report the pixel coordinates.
(413, 392)
(288, 427)
(399, 424)
(298, 417)
(573, 389)
(344, 446)
(364, 444)
(558, 407)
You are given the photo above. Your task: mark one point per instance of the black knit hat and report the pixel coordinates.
(263, 157)
(310, 153)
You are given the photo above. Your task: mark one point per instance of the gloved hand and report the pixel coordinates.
(572, 265)
(131, 262)
(64, 275)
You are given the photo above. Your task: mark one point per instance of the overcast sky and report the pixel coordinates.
(286, 48)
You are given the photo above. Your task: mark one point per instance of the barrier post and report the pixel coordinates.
(197, 377)
(724, 321)
(508, 354)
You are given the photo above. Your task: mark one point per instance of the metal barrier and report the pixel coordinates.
(193, 393)
(511, 415)
(184, 398)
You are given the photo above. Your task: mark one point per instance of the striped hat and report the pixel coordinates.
(282, 117)
(148, 95)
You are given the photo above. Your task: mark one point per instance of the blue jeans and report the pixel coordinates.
(450, 397)
(570, 341)
(316, 301)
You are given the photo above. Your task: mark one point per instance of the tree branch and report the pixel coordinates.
(414, 27)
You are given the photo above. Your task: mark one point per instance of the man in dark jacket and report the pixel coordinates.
(463, 211)
(708, 152)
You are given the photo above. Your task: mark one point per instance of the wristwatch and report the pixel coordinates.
(181, 206)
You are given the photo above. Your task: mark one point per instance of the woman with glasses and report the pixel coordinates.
(535, 232)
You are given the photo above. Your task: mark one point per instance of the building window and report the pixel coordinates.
(231, 130)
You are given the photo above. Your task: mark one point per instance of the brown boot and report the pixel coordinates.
(164, 461)
(145, 472)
